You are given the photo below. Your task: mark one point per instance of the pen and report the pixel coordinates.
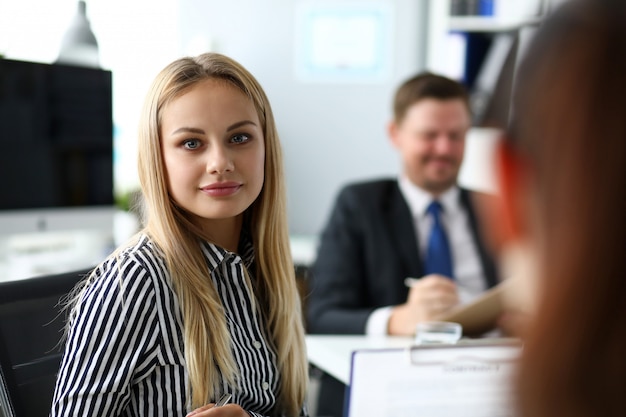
(464, 294)
(224, 399)
(410, 281)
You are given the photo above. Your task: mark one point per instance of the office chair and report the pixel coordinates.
(31, 328)
(5, 407)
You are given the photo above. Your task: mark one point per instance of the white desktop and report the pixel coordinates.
(48, 241)
(333, 353)
(42, 242)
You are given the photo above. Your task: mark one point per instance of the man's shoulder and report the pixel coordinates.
(370, 189)
(479, 193)
(367, 196)
(473, 197)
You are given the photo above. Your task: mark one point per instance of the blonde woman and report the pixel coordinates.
(203, 301)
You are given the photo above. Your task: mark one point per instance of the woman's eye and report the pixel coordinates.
(191, 144)
(240, 138)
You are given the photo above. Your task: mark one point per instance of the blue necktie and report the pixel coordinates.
(438, 255)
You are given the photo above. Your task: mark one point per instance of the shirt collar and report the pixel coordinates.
(418, 199)
(216, 255)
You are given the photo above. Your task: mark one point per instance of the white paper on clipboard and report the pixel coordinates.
(433, 381)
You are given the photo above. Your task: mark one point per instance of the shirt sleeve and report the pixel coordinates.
(377, 322)
(113, 331)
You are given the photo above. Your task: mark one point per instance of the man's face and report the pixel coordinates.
(431, 142)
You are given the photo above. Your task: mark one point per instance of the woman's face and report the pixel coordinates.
(213, 150)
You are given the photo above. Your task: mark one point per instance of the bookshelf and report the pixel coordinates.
(489, 24)
(482, 51)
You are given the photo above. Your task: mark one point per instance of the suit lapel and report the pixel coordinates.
(402, 232)
(489, 267)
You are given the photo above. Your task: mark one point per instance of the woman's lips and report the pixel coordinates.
(221, 189)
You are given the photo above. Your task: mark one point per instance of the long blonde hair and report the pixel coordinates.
(207, 342)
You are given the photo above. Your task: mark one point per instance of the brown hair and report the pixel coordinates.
(570, 127)
(426, 85)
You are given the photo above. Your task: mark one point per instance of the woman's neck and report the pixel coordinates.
(223, 232)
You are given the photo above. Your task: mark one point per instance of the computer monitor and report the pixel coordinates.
(56, 152)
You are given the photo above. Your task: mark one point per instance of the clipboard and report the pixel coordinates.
(480, 315)
(472, 380)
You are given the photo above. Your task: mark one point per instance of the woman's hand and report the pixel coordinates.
(210, 410)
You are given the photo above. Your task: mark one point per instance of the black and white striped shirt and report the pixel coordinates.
(125, 350)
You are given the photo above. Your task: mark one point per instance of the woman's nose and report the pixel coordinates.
(219, 161)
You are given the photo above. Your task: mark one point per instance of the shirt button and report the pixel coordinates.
(265, 386)
(257, 344)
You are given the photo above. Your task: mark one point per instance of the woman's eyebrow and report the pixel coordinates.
(239, 124)
(188, 130)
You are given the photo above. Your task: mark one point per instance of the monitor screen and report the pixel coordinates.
(56, 136)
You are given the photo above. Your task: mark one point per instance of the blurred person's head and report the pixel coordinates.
(431, 119)
(562, 180)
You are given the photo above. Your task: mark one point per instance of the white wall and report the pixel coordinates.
(331, 132)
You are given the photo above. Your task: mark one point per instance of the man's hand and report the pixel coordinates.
(429, 299)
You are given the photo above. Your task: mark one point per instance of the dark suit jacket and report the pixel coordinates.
(366, 251)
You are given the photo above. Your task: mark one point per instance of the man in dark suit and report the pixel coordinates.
(378, 231)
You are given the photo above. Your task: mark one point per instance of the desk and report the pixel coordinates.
(26, 255)
(333, 353)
